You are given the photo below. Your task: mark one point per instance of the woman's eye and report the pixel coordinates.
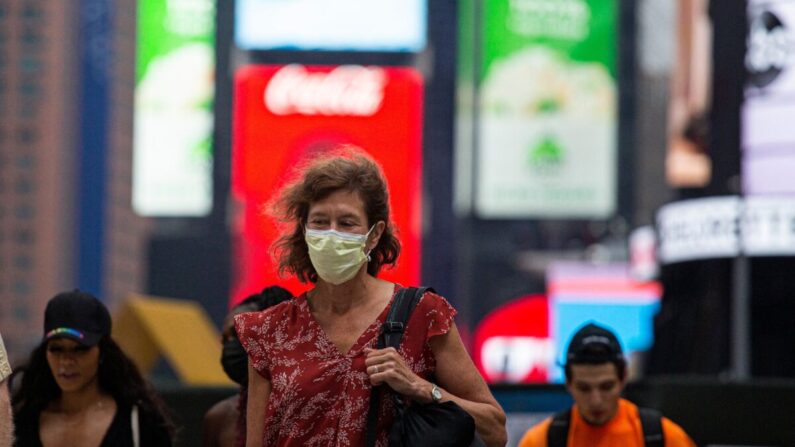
(55, 350)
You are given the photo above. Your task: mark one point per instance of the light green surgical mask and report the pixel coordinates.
(336, 256)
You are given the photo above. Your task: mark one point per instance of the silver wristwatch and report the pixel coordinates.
(436, 394)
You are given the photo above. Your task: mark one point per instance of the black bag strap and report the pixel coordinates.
(558, 433)
(398, 317)
(391, 335)
(650, 421)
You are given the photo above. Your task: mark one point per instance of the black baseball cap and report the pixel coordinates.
(589, 336)
(78, 316)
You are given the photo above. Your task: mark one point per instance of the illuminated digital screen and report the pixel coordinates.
(174, 94)
(284, 114)
(548, 99)
(525, 340)
(768, 137)
(358, 25)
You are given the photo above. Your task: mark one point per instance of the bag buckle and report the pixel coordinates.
(393, 327)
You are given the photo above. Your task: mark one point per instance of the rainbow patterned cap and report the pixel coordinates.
(78, 316)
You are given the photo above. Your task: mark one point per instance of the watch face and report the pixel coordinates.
(436, 394)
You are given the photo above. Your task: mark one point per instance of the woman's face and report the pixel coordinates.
(73, 365)
(341, 211)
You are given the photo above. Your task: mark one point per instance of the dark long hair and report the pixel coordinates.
(117, 376)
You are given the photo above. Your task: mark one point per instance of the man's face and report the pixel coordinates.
(596, 390)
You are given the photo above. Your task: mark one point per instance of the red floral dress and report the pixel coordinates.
(320, 396)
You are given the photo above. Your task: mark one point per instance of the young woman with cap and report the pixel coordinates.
(79, 389)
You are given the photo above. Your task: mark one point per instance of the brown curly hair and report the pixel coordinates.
(345, 168)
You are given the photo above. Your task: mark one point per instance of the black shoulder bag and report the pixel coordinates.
(441, 425)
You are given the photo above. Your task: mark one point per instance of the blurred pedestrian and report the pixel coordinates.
(79, 389)
(225, 422)
(312, 359)
(596, 373)
(6, 419)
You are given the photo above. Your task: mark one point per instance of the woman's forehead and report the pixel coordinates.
(338, 202)
(63, 342)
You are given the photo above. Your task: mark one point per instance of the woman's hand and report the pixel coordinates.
(387, 366)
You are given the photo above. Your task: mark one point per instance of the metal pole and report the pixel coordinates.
(741, 318)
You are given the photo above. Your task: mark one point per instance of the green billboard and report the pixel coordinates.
(547, 109)
(173, 121)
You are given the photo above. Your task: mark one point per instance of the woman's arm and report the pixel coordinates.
(457, 377)
(461, 382)
(259, 391)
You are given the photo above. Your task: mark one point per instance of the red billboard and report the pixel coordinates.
(512, 344)
(286, 113)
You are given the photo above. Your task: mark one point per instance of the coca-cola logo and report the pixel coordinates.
(348, 90)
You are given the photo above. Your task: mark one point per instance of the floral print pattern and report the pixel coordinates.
(319, 395)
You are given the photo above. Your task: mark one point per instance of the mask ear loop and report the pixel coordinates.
(371, 250)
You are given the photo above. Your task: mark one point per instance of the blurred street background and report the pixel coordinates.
(550, 162)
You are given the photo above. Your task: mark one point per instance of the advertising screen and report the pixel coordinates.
(688, 164)
(547, 139)
(768, 136)
(358, 25)
(606, 295)
(726, 226)
(525, 340)
(174, 93)
(286, 114)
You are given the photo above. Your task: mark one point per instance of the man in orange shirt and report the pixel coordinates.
(595, 377)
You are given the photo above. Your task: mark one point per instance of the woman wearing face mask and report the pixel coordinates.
(225, 422)
(312, 359)
(80, 390)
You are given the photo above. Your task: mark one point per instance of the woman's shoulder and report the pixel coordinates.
(436, 313)
(431, 299)
(221, 415)
(223, 408)
(258, 317)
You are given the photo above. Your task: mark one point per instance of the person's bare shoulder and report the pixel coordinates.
(218, 418)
